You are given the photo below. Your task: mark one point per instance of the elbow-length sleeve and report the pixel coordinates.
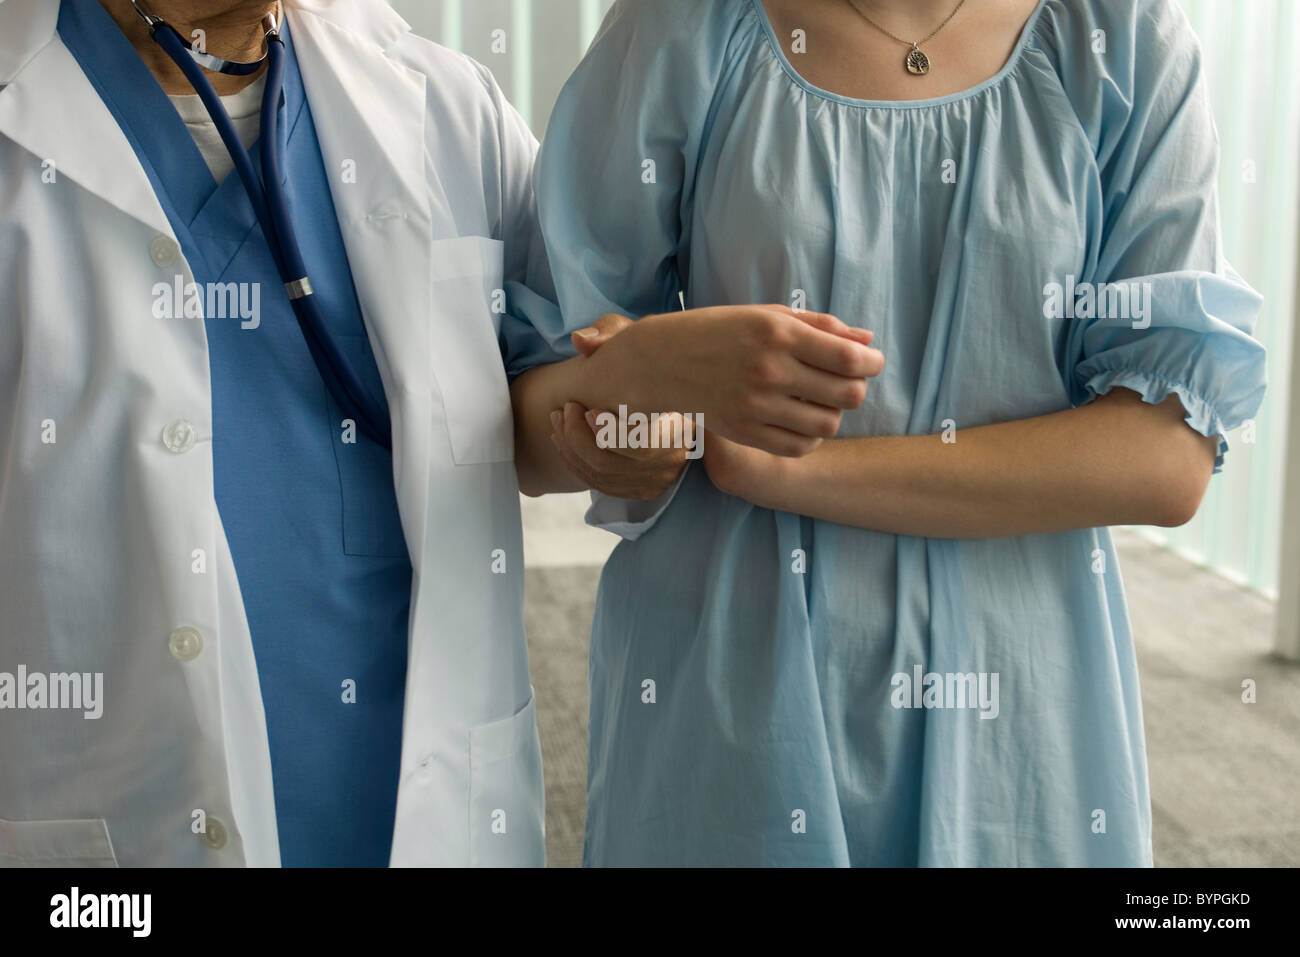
(615, 177)
(1187, 331)
(614, 182)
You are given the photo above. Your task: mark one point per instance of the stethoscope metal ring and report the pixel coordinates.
(206, 60)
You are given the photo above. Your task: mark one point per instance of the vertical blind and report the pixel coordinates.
(1254, 81)
(532, 45)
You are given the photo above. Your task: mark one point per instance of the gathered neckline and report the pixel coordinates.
(929, 103)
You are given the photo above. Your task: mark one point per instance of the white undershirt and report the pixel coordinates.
(245, 109)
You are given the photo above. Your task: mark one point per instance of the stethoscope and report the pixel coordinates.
(272, 208)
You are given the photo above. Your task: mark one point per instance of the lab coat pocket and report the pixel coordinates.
(507, 803)
(56, 844)
(468, 302)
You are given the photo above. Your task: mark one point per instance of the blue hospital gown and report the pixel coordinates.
(687, 154)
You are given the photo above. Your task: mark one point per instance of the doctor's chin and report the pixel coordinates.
(650, 434)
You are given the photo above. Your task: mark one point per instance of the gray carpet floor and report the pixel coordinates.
(1225, 775)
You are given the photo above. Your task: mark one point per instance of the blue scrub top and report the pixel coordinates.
(311, 520)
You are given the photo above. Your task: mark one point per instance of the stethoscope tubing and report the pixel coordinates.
(271, 207)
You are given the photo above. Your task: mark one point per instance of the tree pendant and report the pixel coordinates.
(917, 63)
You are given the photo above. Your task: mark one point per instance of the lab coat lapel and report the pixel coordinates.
(51, 109)
(372, 140)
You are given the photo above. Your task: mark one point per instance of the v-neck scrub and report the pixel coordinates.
(310, 515)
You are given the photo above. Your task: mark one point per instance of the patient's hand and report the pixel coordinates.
(765, 376)
(647, 472)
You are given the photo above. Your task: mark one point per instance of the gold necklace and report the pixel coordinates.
(917, 63)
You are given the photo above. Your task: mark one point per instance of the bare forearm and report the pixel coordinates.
(535, 395)
(1114, 461)
(765, 376)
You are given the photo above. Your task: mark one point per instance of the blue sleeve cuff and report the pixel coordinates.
(630, 518)
(1154, 389)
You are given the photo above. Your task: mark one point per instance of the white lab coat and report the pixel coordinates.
(101, 528)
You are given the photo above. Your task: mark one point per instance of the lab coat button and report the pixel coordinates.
(214, 835)
(163, 250)
(185, 644)
(178, 436)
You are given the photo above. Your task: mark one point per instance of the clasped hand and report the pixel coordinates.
(765, 380)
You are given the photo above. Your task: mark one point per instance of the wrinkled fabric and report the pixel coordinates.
(312, 520)
(759, 680)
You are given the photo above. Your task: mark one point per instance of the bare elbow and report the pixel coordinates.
(1176, 509)
(1181, 492)
(529, 485)
(1180, 462)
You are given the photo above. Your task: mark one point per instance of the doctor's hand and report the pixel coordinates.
(764, 376)
(644, 473)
